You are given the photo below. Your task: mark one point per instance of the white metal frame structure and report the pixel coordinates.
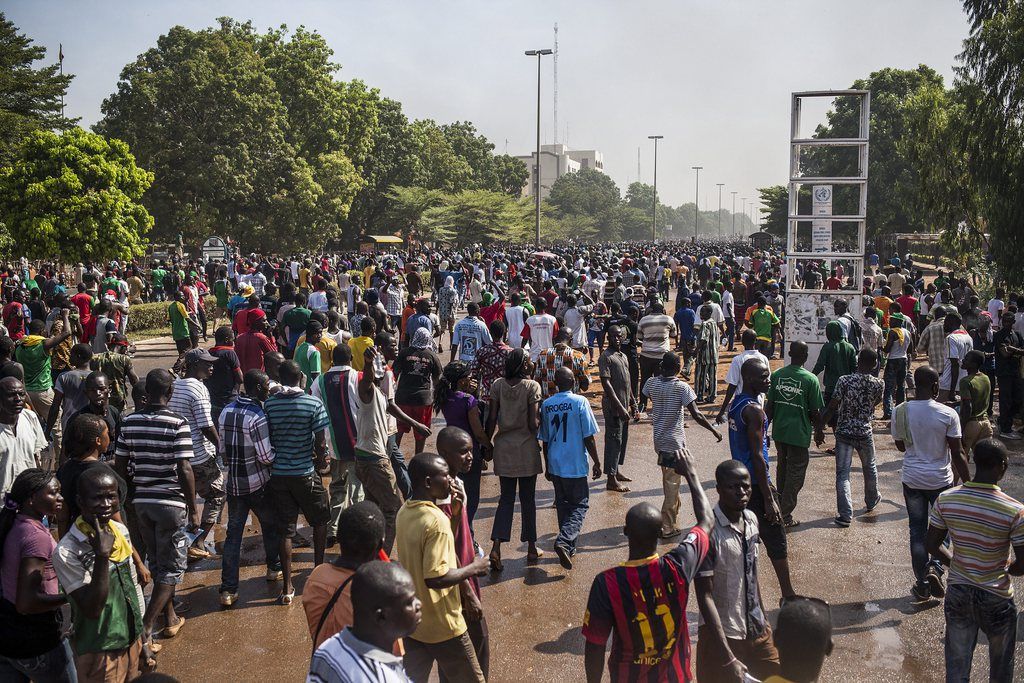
(808, 311)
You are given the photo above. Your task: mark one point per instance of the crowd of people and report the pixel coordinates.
(320, 366)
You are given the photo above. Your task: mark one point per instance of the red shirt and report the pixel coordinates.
(464, 549)
(250, 347)
(907, 304)
(833, 283)
(14, 319)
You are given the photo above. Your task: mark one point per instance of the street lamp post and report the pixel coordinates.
(654, 210)
(696, 203)
(536, 176)
(742, 231)
(720, 185)
(734, 213)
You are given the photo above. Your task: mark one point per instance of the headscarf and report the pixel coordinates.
(486, 298)
(449, 282)
(421, 339)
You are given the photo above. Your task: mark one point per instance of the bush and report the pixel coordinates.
(153, 316)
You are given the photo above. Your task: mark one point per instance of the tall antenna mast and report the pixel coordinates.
(638, 178)
(555, 88)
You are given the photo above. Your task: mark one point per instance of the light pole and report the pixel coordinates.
(734, 213)
(696, 203)
(654, 210)
(536, 187)
(720, 185)
(742, 230)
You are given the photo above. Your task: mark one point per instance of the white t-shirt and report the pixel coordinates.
(735, 376)
(575, 320)
(668, 398)
(515, 316)
(728, 304)
(958, 344)
(926, 464)
(994, 307)
(716, 312)
(542, 333)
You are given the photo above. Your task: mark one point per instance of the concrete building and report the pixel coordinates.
(556, 161)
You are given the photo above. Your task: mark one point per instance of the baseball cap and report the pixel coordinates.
(194, 356)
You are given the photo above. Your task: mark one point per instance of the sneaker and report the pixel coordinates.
(564, 558)
(1010, 436)
(839, 521)
(227, 598)
(873, 505)
(274, 575)
(921, 591)
(936, 585)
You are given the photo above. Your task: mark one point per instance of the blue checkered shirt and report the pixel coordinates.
(245, 443)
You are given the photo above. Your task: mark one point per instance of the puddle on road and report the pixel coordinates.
(888, 647)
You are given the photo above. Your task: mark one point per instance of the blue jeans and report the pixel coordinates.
(55, 666)
(471, 480)
(968, 610)
(572, 499)
(239, 508)
(398, 465)
(895, 377)
(919, 502)
(844, 461)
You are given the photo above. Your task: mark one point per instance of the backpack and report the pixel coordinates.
(856, 334)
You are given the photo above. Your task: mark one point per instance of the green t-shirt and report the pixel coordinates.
(794, 391)
(179, 321)
(307, 356)
(762, 320)
(220, 290)
(978, 388)
(158, 277)
(295, 320)
(36, 361)
(715, 296)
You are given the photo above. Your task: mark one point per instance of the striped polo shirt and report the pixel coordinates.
(294, 417)
(983, 523)
(154, 440)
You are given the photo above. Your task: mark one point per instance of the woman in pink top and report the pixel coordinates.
(31, 644)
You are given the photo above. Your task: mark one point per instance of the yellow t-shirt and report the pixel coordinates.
(426, 548)
(326, 347)
(359, 346)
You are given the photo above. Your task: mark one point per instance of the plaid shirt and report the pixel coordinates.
(550, 360)
(489, 365)
(245, 440)
(933, 339)
(394, 301)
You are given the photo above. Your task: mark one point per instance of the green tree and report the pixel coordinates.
(775, 209)
(895, 186)
(30, 98)
(586, 192)
(476, 216)
(74, 196)
(990, 84)
(406, 206)
(439, 166)
(511, 174)
(205, 112)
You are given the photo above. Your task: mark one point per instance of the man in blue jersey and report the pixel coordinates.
(567, 428)
(748, 443)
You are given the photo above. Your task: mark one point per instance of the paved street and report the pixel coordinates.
(535, 612)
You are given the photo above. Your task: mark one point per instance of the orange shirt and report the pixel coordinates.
(320, 588)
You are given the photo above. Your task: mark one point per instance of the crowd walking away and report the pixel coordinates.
(386, 409)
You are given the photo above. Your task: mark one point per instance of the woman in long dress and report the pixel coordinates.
(515, 412)
(706, 377)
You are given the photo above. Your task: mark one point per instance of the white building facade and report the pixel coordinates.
(556, 161)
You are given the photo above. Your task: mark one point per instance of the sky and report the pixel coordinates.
(713, 76)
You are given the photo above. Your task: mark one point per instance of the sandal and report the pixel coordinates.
(534, 556)
(286, 598)
(171, 631)
(495, 562)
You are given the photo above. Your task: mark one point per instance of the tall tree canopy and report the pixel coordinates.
(30, 97)
(246, 134)
(74, 196)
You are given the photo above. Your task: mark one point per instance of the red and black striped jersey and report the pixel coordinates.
(642, 604)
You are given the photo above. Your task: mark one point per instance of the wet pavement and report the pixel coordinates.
(535, 611)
